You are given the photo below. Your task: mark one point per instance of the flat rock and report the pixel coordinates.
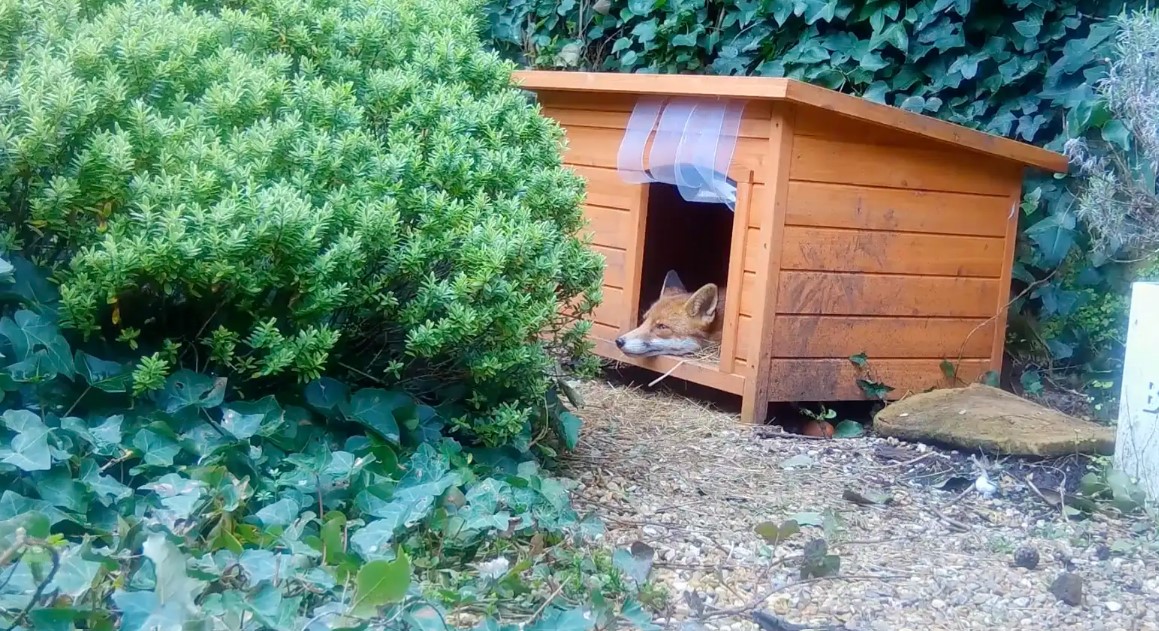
(983, 417)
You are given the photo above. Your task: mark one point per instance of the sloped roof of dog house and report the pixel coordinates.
(791, 90)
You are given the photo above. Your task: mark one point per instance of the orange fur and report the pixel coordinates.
(679, 322)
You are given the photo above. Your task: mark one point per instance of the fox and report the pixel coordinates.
(678, 323)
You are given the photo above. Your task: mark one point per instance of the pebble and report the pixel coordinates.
(1068, 588)
(1112, 606)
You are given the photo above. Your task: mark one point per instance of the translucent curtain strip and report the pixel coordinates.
(692, 147)
(669, 134)
(696, 156)
(630, 159)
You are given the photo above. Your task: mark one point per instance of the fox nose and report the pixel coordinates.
(619, 342)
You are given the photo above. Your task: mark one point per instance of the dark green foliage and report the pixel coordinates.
(1025, 69)
(189, 508)
(269, 189)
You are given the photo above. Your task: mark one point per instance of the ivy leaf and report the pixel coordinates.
(427, 477)
(174, 589)
(36, 339)
(874, 389)
(635, 561)
(245, 419)
(75, 576)
(102, 375)
(155, 448)
(774, 534)
(570, 425)
(578, 618)
(374, 409)
(29, 448)
(137, 609)
(186, 388)
(280, 513)
(379, 583)
(1054, 236)
(422, 424)
(107, 489)
(641, 7)
(848, 429)
(34, 523)
(178, 494)
(326, 395)
(32, 288)
(1116, 133)
(861, 360)
(913, 104)
(894, 35)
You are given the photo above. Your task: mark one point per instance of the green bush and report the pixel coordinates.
(1026, 69)
(271, 188)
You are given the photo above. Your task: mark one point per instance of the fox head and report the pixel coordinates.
(678, 323)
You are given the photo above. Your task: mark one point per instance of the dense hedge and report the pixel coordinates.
(1018, 68)
(275, 188)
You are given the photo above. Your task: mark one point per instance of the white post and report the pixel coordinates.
(1137, 440)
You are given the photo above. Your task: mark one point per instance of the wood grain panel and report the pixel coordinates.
(587, 115)
(883, 337)
(605, 188)
(615, 274)
(836, 379)
(609, 226)
(594, 147)
(829, 293)
(750, 297)
(624, 103)
(752, 251)
(823, 160)
(612, 310)
(604, 332)
(746, 338)
(762, 208)
(822, 124)
(842, 206)
(843, 250)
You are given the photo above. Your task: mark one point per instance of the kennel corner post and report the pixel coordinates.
(757, 388)
(1002, 311)
(736, 258)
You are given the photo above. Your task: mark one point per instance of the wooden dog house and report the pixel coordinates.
(855, 227)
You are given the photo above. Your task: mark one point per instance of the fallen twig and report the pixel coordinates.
(760, 600)
(543, 605)
(665, 375)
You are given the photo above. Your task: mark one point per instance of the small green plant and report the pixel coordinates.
(870, 386)
(825, 414)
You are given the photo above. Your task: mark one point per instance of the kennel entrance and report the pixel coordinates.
(693, 239)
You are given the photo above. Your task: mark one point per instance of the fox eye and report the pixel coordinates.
(661, 326)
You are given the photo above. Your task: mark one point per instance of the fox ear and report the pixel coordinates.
(702, 304)
(672, 283)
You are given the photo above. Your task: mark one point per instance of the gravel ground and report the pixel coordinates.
(692, 484)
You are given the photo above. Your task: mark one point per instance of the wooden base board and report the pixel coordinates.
(687, 370)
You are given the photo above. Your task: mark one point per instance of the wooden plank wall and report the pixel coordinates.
(594, 126)
(891, 248)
